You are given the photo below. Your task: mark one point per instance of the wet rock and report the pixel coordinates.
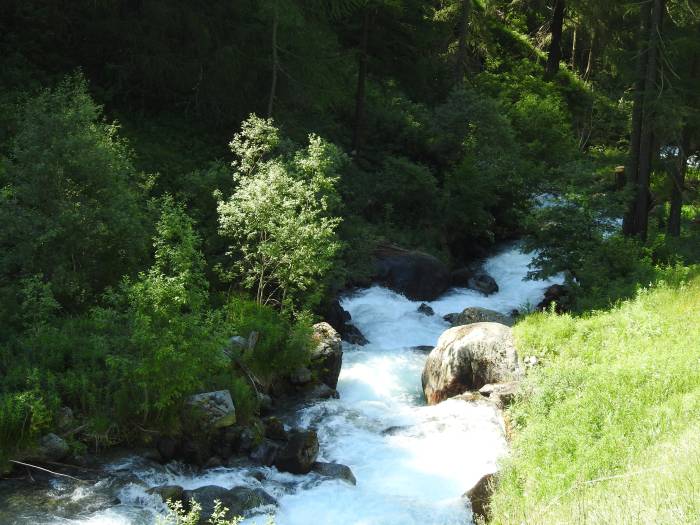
(212, 409)
(479, 496)
(502, 395)
(426, 310)
(265, 453)
(460, 277)
(239, 500)
(213, 462)
(327, 355)
(484, 283)
(195, 450)
(274, 429)
(335, 471)
(152, 454)
(353, 335)
(299, 453)
(167, 448)
(51, 448)
(339, 319)
(467, 358)
(168, 492)
(396, 429)
(475, 314)
(423, 348)
(300, 376)
(417, 275)
(319, 391)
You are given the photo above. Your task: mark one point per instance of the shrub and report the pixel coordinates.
(70, 199)
(280, 217)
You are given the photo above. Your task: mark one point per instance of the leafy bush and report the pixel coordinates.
(70, 198)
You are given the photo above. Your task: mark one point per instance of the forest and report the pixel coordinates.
(175, 173)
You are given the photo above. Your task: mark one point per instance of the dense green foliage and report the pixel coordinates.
(606, 429)
(135, 244)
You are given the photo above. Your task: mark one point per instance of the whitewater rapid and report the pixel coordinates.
(412, 462)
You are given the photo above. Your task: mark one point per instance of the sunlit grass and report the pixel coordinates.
(607, 427)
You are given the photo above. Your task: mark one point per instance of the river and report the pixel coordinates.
(412, 462)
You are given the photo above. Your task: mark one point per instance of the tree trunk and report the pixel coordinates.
(640, 217)
(554, 55)
(573, 50)
(589, 63)
(462, 51)
(275, 63)
(637, 115)
(358, 130)
(677, 176)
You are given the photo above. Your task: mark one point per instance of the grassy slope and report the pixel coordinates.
(609, 429)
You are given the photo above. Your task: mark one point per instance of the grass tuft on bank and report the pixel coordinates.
(606, 430)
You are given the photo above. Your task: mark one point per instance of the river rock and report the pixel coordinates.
(299, 453)
(460, 277)
(484, 283)
(335, 471)
(327, 355)
(274, 429)
(479, 496)
(265, 453)
(239, 500)
(339, 319)
(557, 294)
(426, 310)
(168, 492)
(468, 357)
(502, 394)
(353, 335)
(475, 314)
(212, 409)
(51, 448)
(417, 275)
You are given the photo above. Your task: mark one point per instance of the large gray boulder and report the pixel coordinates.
(417, 275)
(475, 314)
(211, 409)
(469, 357)
(299, 453)
(327, 355)
(239, 500)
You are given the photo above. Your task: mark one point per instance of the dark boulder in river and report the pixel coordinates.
(417, 275)
(239, 500)
(299, 453)
(335, 471)
(468, 357)
(339, 318)
(484, 283)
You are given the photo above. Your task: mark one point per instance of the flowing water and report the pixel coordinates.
(412, 462)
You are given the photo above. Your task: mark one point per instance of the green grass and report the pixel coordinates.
(606, 430)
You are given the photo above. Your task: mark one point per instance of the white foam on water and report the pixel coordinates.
(412, 462)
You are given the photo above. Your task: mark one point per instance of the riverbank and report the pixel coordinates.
(412, 462)
(606, 428)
